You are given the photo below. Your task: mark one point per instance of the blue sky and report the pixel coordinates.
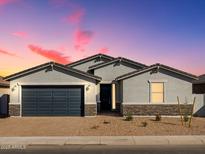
(171, 32)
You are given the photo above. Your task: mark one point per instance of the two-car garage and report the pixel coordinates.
(52, 100)
(52, 89)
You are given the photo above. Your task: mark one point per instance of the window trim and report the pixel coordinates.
(150, 92)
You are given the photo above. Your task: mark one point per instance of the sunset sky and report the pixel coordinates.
(171, 32)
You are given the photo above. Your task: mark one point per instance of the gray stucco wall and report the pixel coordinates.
(4, 90)
(52, 78)
(84, 66)
(136, 90)
(110, 72)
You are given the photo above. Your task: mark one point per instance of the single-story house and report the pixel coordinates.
(4, 86)
(99, 84)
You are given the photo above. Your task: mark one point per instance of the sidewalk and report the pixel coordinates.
(105, 140)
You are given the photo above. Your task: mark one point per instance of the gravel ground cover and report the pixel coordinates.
(97, 126)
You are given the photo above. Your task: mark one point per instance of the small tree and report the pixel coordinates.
(187, 116)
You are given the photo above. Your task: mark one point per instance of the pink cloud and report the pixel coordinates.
(7, 53)
(20, 34)
(50, 54)
(5, 2)
(75, 17)
(103, 50)
(82, 38)
(62, 48)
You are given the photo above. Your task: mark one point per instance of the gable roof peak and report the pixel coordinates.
(50, 64)
(156, 66)
(99, 55)
(118, 59)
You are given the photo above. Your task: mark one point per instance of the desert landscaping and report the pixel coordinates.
(98, 126)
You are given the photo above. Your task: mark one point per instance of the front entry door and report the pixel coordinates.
(105, 97)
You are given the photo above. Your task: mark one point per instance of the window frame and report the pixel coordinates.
(150, 91)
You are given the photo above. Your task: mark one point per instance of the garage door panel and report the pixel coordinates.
(60, 93)
(30, 107)
(74, 91)
(62, 107)
(59, 106)
(74, 103)
(30, 99)
(29, 93)
(44, 94)
(71, 106)
(59, 100)
(48, 101)
(74, 113)
(60, 111)
(44, 101)
(31, 113)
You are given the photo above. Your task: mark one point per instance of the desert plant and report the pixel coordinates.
(186, 118)
(144, 124)
(158, 117)
(106, 122)
(128, 117)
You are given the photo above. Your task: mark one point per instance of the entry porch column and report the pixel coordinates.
(113, 97)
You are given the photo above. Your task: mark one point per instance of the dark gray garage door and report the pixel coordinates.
(52, 101)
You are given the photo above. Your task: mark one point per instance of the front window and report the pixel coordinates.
(157, 92)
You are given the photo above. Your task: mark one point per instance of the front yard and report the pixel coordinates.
(97, 126)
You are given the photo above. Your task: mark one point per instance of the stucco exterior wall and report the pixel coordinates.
(4, 90)
(110, 72)
(84, 66)
(136, 90)
(52, 78)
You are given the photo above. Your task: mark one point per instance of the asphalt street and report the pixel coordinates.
(106, 149)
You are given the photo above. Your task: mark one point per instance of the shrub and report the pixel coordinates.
(106, 122)
(144, 124)
(158, 117)
(128, 117)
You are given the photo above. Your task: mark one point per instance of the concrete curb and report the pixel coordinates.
(105, 140)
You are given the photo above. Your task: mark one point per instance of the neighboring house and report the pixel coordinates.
(199, 90)
(199, 85)
(4, 86)
(99, 84)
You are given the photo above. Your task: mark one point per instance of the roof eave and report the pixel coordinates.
(80, 72)
(101, 65)
(30, 70)
(115, 60)
(153, 67)
(8, 78)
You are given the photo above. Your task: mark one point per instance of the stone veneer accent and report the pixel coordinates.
(90, 109)
(14, 109)
(150, 109)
